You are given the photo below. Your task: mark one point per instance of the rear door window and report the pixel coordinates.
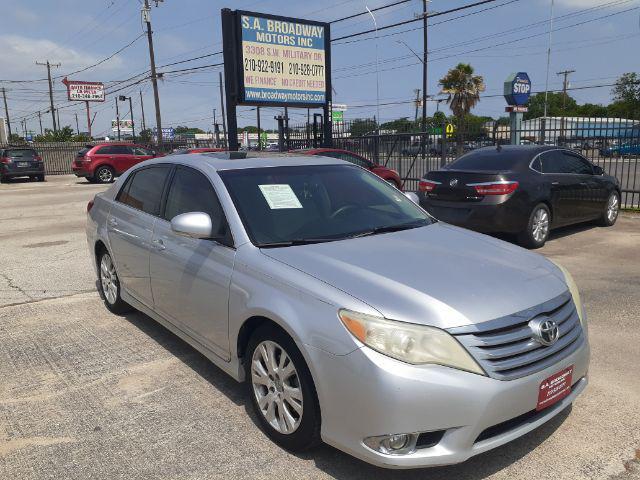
(143, 190)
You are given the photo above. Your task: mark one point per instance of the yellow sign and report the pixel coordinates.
(450, 130)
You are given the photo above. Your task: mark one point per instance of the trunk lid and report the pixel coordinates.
(454, 184)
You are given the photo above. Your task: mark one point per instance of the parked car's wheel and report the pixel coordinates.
(282, 392)
(611, 210)
(538, 227)
(110, 285)
(104, 174)
(40, 178)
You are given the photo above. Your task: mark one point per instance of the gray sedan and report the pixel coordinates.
(353, 317)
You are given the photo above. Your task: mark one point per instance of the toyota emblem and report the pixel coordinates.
(545, 331)
(453, 182)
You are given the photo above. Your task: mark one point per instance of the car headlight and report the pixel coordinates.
(408, 342)
(575, 294)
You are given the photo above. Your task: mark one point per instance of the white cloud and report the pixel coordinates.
(18, 55)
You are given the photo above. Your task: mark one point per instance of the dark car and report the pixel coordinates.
(385, 173)
(20, 162)
(522, 190)
(103, 162)
(182, 151)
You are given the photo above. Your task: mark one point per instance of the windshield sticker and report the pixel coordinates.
(280, 196)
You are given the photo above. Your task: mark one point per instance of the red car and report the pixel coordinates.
(103, 162)
(385, 173)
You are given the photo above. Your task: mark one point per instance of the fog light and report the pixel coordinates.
(396, 444)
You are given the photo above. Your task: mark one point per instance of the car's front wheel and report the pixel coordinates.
(610, 214)
(110, 285)
(282, 392)
(537, 231)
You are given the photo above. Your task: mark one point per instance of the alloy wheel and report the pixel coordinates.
(612, 208)
(108, 279)
(276, 386)
(540, 226)
(105, 175)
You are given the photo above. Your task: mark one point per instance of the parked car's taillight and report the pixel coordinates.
(498, 188)
(37, 158)
(427, 185)
(5, 160)
(89, 206)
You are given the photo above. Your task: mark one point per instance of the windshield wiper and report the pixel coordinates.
(295, 241)
(390, 228)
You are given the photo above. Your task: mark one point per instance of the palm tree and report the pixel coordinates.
(463, 89)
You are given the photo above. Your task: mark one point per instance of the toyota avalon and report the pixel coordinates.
(277, 269)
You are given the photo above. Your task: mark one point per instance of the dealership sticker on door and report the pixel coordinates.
(280, 196)
(554, 388)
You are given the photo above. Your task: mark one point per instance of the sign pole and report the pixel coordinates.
(88, 119)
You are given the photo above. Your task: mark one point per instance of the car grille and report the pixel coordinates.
(505, 347)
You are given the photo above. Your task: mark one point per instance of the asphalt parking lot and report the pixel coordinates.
(87, 394)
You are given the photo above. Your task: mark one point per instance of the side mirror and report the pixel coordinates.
(412, 196)
(192, 224)
(597, 170)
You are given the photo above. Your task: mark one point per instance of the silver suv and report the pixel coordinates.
(353, 316)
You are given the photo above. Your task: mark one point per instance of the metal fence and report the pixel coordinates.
(613, 144)
(58, 156)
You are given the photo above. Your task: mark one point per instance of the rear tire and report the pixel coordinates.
(611, 210)
(110, 285)
(104, 174)
(538, 227)
(282, 392)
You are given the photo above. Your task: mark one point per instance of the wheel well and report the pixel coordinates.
(251, 325)
(98, 249)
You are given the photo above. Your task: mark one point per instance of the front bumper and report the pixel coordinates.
(365, 394)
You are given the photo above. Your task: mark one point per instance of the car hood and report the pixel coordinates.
(436, 275)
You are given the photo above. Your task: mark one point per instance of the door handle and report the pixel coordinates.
(158, 244)
(555, 183)
(583, 184)
(113, 222)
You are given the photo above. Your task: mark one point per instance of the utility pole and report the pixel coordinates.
(58, 116)
(118, 119)
(77, 127)
(565, 85)
(40, 122)
(53, 110)
(6, 113)
(216, 132)
(146, 15)
(224, 122)
(144, 125)
(425, 43)
(259, 129)
(417, 92)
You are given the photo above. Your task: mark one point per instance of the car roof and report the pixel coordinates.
(261, 160)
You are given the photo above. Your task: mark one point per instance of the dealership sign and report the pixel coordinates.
(126, 126)
(84, 91)
(278, 60)
(517, 88)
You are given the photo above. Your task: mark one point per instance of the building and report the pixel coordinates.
(578, 128)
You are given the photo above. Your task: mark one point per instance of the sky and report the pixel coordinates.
(599, 39)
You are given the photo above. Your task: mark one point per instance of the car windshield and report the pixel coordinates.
(284, 206)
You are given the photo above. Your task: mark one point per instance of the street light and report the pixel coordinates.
(123, 98)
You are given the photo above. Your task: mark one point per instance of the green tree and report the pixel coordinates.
(145, 136)
(184, 130)
(64, 134)
(555, 102)
(400, 125)
(362, 126)
(463, 90)
(626, 95)
(248, 129)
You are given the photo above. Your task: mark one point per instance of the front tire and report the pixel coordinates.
(281, 389)
(104, 174)
(611, 210)
(538, 227)
(110, 285)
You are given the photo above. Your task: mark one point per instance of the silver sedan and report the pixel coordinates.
(353, 317)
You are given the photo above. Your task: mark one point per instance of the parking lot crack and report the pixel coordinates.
(13, 286)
